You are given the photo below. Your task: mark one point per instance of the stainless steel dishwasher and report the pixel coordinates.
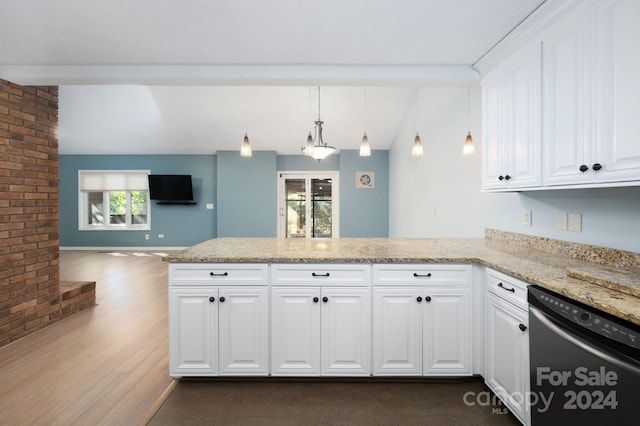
(585, 364)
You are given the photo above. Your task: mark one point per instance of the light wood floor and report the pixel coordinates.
(108, 364)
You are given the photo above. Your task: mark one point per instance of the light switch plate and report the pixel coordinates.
(561, 221)
(575, 222)
(526, 218)
(209, 206)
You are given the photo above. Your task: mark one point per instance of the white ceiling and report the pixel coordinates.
(166, 76)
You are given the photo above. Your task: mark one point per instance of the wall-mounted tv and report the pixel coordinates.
(171, 189)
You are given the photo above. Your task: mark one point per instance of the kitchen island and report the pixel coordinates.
(610, 282)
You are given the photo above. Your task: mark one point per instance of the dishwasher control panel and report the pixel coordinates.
(587, 317)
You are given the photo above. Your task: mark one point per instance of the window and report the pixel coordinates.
(113, 200)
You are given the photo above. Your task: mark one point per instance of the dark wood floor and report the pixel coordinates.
(105, 365)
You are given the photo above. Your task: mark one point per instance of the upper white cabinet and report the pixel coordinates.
(569, 120)
(511, 117)
(591, 91)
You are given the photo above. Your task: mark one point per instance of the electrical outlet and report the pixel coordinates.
(146, 236)
(575, 222)
(561, 221)
(526, 218)
(160, 235)
(209, 206)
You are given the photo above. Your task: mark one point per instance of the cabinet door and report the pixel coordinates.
(494, 153)
(397, 331)
(193, 331)
(295, 331)
(244, 330)
(567, 93)
(507, 354)
(346, 331)
(619, 68)
(447, 331)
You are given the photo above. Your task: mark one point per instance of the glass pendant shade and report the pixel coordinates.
(365, 149)
(468, 148)
(417, 150)
(245, 150)
(320, 152)
(308, 150)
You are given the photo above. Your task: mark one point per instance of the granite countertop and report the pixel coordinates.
(608, 285)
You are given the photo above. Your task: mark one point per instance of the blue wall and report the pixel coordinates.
(247, 194)
(364, 212)
(243, 190)
(181, 225)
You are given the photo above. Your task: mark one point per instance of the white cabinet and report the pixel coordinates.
(512, 122)
(218, 325)
(591, 91)
(422, 320)
(320, 320)
(507, 344)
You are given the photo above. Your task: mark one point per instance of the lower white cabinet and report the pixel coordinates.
(507, 349)
(218, 323)
(320, 331)
(422, 320)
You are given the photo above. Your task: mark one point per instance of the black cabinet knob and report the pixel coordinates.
(507, 177)
(222, 299)
(596, 166)
(522, 327)
(224, 274)
(584, 168)
(419, 299)
(325, 299)
(427, 299)
(500, 177)
(212, 299)
(315, 300)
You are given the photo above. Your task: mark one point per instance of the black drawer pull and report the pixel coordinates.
(313, 274)
(417, 275)
(224, 274)
(512, 290)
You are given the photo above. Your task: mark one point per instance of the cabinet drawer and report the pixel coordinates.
(421, 274)
(218, 273)
(321, 274)
(509, 288)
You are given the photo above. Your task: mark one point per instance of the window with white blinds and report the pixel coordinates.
(113, 200)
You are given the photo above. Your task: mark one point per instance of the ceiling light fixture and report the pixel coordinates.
(245, 149)
(365, 149)
(468, 148)
(417, 149)
(316, 147)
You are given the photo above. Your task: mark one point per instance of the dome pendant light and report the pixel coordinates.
(468, 147)
(320, 150)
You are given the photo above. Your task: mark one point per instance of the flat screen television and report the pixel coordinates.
(171, 189)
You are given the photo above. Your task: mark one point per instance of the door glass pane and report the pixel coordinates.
(138, 208)
(96, 209)
(296, 207)
(321, 208)
(117, 207)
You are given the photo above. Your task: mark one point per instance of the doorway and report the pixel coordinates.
(308, 204)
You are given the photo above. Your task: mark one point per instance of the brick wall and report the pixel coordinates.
(29, 264)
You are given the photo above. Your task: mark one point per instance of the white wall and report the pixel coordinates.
(438, 195)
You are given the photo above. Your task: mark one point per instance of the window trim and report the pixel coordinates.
(83, 204)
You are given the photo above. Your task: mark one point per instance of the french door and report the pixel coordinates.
(308, 204)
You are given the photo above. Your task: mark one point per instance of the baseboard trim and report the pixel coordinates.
(102, 248)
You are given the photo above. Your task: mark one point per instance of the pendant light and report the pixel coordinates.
(468, 147)
(417, 149)
(317, 147)
(365, 149)
(245, 149)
